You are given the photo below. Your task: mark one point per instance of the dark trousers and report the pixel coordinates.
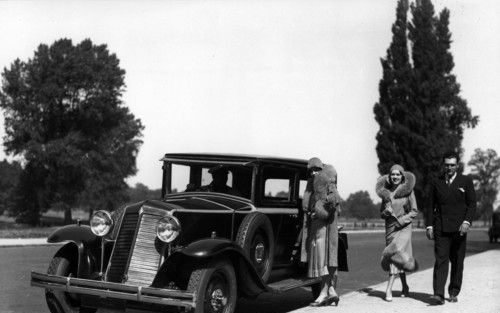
(448, 248)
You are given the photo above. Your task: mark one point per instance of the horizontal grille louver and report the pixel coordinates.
(121, 251)
(145, 258)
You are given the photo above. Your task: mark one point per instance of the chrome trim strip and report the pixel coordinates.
(206, 211)
(251, 207)
(292, 211)
(216, 203)
(211, 194)
(278, 210)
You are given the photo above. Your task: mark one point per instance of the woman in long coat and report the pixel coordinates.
(399, 208)
(322, 239)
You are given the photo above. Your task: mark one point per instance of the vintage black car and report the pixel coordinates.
(199, 247)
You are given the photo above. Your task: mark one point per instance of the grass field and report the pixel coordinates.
(51, 221)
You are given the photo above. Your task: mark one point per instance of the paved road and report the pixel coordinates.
(364, 253)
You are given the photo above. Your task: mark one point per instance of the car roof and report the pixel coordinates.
(228, 157)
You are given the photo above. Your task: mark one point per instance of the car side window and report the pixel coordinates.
(277, 188)
(206, 177)
(302, 188)
(180, 177)
(278, 184)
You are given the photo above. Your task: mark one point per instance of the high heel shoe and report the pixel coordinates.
(388, 298)
(334, 299)
(320, 303)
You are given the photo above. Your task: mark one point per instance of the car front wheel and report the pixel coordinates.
(214, 287)
(60, 301)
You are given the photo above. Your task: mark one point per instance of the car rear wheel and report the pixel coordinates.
(255, 236)
(214, 287)
(60, 301)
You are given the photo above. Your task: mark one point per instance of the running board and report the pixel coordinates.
(292, 283)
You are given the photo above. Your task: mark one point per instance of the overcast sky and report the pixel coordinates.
(293, 78)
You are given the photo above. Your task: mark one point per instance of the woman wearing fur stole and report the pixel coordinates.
(322, 239)
(399, 208)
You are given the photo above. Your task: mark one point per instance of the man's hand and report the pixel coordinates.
(464, 228)
(430, 233)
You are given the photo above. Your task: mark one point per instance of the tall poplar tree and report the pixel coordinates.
(433, 116)
(394, 88)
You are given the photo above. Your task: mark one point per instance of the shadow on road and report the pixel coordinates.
(276, 303)
(420, 296)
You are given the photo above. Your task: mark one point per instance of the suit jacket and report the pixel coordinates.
(451, 205)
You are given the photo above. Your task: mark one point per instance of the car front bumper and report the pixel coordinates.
(109, 290)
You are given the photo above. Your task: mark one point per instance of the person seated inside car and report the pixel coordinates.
(219, 182)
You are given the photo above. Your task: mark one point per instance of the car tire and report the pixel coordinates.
(215, 288)
(60, 301)
(255, 236)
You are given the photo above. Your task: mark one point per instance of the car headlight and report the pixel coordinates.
(168, 229)
(101, 223)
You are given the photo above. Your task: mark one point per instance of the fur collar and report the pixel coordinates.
(403, 190)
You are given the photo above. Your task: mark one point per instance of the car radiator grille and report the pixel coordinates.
(144, 258)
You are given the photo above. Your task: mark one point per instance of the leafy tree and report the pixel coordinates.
(359, 205)
(141, 192)
(9, 177)
(485, 170)
(64, 115)
(420, 112)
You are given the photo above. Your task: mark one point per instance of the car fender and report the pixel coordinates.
(82, 241)
(75, 233)
(249, 281)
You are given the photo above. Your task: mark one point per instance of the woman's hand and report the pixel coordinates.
(388, 211)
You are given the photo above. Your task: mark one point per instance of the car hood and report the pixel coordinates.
(207, 201)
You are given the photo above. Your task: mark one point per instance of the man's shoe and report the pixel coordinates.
(453, 298)
(437, 300)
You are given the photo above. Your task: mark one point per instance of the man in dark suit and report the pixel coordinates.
(449, 215)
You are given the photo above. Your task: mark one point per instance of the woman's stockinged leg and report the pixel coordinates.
(388, 291)
(332, 281)
(332, 285)
(323, 294)
(324, 287)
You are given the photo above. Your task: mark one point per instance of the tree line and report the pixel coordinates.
(76, 141)
(67, 124)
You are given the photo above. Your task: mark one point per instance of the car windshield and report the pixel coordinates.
(230, 179)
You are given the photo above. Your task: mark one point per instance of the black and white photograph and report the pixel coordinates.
(279, 156)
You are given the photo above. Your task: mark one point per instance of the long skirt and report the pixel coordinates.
(321, 254)
(398, 246)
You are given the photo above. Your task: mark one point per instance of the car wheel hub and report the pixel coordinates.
(218, 300)
(259, 252)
